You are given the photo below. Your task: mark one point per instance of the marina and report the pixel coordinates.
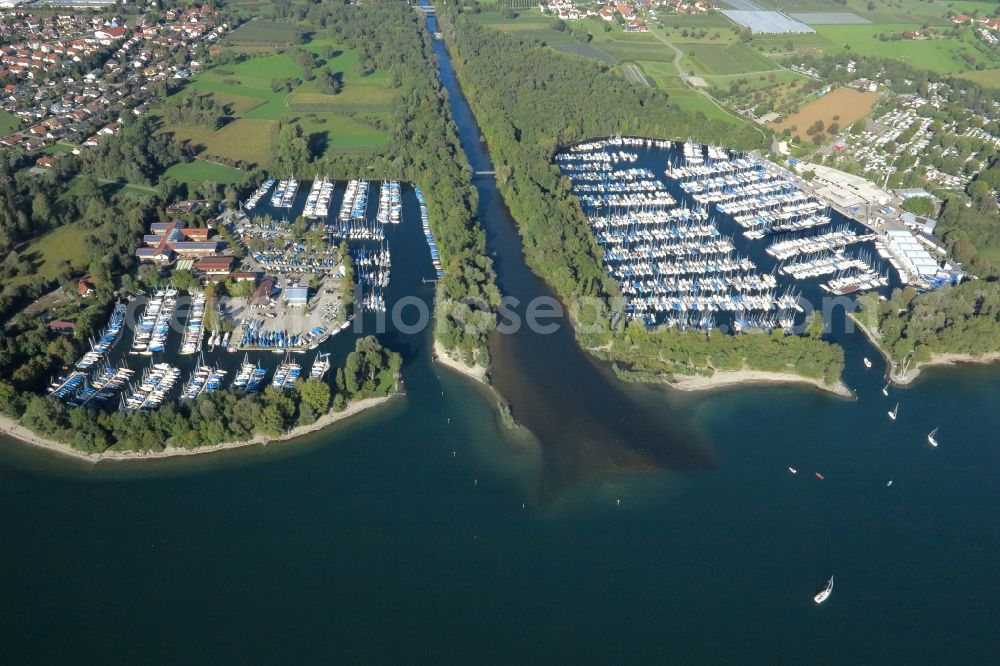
(682, 248)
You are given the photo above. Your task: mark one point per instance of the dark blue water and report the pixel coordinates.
(424, 533)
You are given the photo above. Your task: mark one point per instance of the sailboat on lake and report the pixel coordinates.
(825, 593)
(894, 412)
(932, 437)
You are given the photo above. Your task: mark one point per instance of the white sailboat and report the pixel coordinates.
(894, 412)
(932, 437)
(825, 593)
(885, 389)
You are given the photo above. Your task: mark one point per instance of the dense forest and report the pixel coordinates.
(530, 102)
(967, 229)
(212, 418)
(961, 319)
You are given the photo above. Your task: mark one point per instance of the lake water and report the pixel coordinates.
(636, 525)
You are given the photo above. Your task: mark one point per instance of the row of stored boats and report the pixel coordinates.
(284, 193)
(425, 224)
(100, 347)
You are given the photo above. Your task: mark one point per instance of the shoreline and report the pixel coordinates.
(737, 378)
(940, 360)
(936, 360)
(441, 356)
(18, 432)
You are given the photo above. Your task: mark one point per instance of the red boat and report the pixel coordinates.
(820, 476)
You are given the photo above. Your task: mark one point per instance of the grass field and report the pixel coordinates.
(47, 252)
(247, 140)
(245, 91)
(715, 60)
(938, 55)
(848, 104)
(8, 122)
(200, 171)
(989, 78)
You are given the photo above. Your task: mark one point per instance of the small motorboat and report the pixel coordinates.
(888, 484)
(793, 470)
(868, 363)
(820, 476)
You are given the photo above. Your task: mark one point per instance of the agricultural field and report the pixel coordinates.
(277, 33)
(245, 91)
(714, 60)
(944, 56)
(586, 51)
(8, 122)
(843, 106)
(199, 171)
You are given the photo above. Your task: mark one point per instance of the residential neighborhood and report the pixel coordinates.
(69, 78)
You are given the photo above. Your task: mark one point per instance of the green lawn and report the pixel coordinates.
(8, 122)
(58, 149)
(200, 171)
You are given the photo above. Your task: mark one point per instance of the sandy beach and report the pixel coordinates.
(743, 377)
(14, 429)
(441, 355)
